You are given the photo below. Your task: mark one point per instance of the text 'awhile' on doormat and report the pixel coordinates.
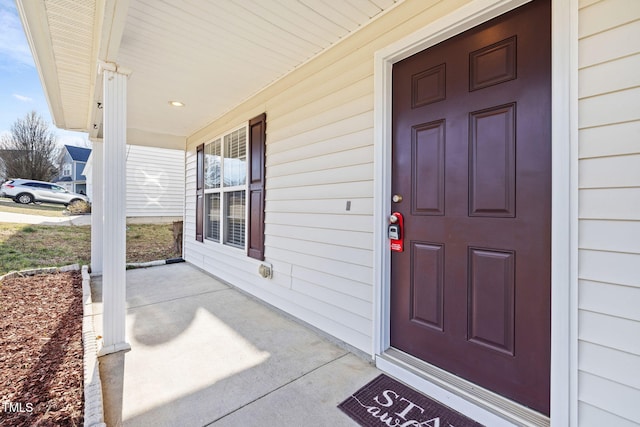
(386, 402)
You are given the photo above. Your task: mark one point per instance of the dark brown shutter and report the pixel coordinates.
(200, 193)
(257, 139)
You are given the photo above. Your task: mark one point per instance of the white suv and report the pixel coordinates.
(27, 191)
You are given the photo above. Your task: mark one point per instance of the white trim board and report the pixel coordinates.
(564, 192)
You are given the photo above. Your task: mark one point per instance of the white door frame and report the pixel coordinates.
(564, 217)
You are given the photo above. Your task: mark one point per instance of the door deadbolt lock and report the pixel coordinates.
(396, 198)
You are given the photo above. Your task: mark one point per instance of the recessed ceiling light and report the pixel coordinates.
(176, 104)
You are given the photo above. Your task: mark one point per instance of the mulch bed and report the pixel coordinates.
(41, 350)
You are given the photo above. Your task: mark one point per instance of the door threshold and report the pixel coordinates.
(480, 404)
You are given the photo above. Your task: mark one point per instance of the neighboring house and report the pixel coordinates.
(155, 184)
(72, 162)
(507, 140)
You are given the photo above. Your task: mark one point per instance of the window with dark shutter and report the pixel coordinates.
(256, 181)
(231, 188)
(199, 192)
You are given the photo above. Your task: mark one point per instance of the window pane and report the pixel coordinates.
(235, 158)
(234, 218)
(212, 155)
(212, 210)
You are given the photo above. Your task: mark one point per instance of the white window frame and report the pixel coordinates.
(67, 169)
(223, 190)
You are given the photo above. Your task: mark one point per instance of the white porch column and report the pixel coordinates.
(114, 231)
(97, 211)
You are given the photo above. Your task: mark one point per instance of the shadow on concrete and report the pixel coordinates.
(203, 353)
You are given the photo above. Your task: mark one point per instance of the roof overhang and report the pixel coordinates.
(211, 56)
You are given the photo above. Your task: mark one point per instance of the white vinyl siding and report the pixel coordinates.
(609, 211)
(155, 182)
(319, 160)
(320, 157)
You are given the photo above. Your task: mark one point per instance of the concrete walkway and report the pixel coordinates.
(204, 354)
(45, 220)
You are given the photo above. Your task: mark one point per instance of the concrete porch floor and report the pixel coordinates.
(204, 353)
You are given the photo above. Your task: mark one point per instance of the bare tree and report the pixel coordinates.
(30, 150)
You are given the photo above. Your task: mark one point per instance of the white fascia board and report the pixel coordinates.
(108, 28)
(95, 90)
(114, 18)
(154, 139)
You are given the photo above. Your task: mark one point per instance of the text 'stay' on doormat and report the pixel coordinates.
(386, 402)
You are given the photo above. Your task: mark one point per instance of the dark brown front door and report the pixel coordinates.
(472, 160)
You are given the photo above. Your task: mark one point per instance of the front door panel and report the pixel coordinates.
(471, 158)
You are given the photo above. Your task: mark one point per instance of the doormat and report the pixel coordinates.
(386, 402)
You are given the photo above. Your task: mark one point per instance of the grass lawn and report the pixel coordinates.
(34, 246)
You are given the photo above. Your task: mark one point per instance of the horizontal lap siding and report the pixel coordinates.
(609, 210)
(319, 158)
(319, 183)
(155, 182)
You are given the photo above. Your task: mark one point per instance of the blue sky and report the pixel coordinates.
(20, 88)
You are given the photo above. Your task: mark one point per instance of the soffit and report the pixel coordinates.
(210, 55)
(61, 36)
(213, 55)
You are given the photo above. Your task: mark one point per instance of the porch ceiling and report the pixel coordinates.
(210, 55)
